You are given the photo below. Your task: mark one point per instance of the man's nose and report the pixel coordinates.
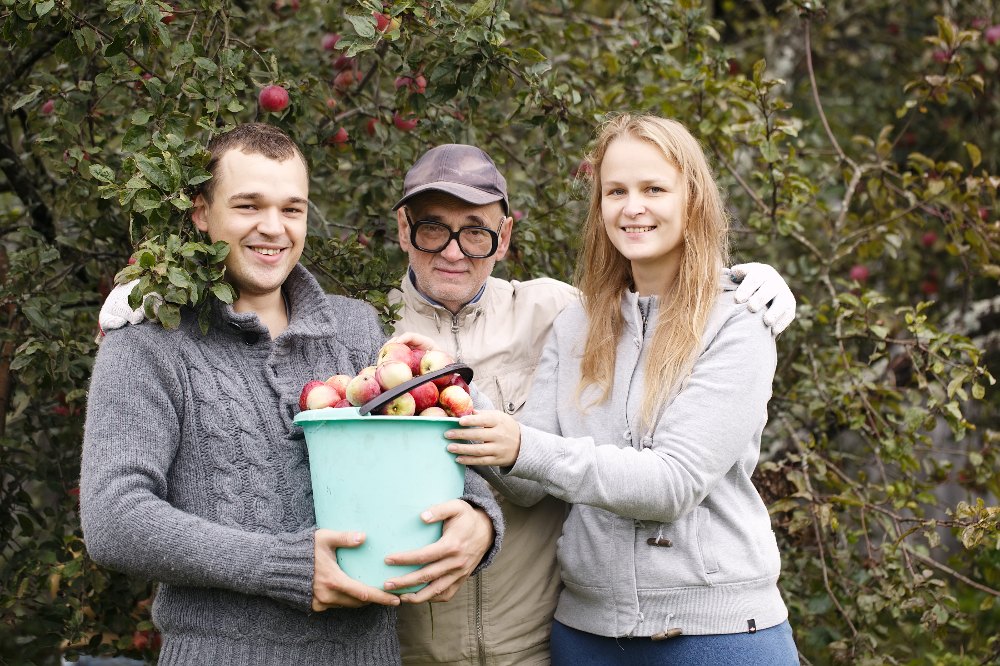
(452, 252)
(270, 222)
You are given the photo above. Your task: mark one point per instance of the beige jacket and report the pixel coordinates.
(503, 615)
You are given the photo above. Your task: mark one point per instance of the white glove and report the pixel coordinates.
(762, 287)
(116, 313)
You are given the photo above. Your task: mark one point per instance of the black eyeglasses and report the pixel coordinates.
(474, 242)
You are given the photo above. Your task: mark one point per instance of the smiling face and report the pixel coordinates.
(448, 276)
(642, 205)
(259, 207)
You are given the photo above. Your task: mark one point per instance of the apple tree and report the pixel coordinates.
(857, 143)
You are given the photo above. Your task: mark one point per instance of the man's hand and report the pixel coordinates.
(414, 341)
(761, 287)
(332, 588)
(492, 438)
(467, 535)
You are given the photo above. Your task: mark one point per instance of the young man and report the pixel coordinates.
(454, 225)
(194, 476)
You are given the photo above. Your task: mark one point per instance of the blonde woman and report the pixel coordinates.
(646, 414)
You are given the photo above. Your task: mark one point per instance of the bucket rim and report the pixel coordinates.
(352, 414)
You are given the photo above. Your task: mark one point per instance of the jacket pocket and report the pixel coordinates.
(677, 554)
(583, 549)
(512, 389)
(705, 541)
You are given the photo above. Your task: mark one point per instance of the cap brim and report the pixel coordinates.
(466, 193)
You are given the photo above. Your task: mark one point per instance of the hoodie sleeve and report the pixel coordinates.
(714, 422)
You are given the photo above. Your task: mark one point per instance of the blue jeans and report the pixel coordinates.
(773, 646)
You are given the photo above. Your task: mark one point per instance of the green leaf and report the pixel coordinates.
(141, 117)
(169, 315)
(102, 173)
(43, 8)
(26, 98)
(146, 200)
(363, 25)
(153, 171)
(479, 9)
(224, 292)
(975, 155)
(206, 65)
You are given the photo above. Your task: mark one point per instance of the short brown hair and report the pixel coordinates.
(254, 138)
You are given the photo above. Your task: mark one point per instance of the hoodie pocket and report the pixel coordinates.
(705, 541)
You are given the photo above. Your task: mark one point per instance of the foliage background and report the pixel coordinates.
(857, 142)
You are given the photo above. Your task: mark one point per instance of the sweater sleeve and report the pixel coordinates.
(713, 422)
(131, 437)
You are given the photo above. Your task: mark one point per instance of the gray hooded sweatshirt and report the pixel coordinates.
(666, 531)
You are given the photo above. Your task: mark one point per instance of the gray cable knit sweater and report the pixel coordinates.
(194, 476)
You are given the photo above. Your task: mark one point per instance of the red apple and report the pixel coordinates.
(367, 372)
(392, 373)
(941, 55)
(435, 360)
(339, 137)
(992, 34)
(928, 239)
(343, 62)
(340, 383)
(317, 395)
(344, 80)
(402, 405)
(370, 126)
(48, 107)
(434, 412)
(583, 170)
(393, 351)
(929, 287)
(402, 81)
(331, 103)
(404, 124)
(517, 215)
(455, 401)
(859, 272)
(456, 380)
(415, 357)
(384, 23)
(361, 389)
(343, 403)
(419, 84)
(329, 41)
(273, 98)
(425, 395)
(310, 385)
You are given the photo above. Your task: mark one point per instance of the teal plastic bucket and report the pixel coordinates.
(377, 474)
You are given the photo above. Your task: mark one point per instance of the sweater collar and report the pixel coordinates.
(308, 305)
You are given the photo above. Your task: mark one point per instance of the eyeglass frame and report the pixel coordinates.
(454, 235)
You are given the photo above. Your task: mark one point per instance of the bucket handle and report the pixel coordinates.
(460, 369)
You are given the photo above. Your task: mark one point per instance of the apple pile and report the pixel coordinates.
(397, 363)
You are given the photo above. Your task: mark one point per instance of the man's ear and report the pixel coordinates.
(503, 244)
(403, 229)
(199, 213)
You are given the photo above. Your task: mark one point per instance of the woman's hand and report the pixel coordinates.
(492, 438)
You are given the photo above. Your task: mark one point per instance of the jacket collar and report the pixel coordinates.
(634, 305)
(420, 304)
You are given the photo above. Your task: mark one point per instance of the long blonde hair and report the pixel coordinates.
(603, 274)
